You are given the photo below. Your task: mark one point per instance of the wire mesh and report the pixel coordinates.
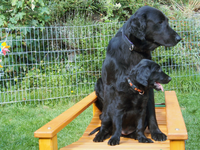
(64, 62)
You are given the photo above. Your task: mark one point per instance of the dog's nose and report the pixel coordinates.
(178, 38)
(169, 79)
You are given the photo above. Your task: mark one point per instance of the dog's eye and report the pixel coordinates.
(160, 22)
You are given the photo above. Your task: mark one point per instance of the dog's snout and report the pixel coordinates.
(169, 78)
(178, 38)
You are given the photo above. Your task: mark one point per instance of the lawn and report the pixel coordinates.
(18, 122)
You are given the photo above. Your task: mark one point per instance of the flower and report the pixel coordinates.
(117, 5)
(4, 51)
(4, 48)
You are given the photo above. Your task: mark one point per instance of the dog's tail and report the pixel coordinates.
(99, 92)
(95, 130)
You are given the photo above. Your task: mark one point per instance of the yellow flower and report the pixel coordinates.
(4, 45)
(1, 66)
(72, 91)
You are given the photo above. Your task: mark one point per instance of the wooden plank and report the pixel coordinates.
(175, 122)
(95, 109)
(128, 144)
(177, 145)
(76, 147)
(50, 129)
(125, 143)
(128, 141)
(48, 144)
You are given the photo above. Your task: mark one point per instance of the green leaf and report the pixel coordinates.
(1, 7)
(2, 17)
(20, 4)
(41, 2)
(11, 26)
(44, 10)
(34, 22)
(13, 20)
(1, 22)
(20, 15)
(14, 2)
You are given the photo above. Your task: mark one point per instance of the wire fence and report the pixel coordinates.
(64, 62)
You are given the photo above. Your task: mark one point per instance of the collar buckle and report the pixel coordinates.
(127, 41)
(141, 93)
(131, 48)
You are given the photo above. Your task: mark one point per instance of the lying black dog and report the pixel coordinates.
(131, 103)
(147, 29)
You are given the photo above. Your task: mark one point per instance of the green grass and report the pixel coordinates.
(18, 122)
(189, 103)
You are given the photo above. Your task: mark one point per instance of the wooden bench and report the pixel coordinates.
(169, 117)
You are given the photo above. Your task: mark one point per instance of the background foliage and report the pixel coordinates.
(47, 12)
(40, 55)
(23, 13)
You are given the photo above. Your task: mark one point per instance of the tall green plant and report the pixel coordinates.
(23, 13)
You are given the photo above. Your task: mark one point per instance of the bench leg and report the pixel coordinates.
(48, 144)
(177, 145)
(94, 109)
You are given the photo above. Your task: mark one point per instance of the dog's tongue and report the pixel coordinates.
(159, 86)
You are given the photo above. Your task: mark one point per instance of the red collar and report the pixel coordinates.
(141, 92)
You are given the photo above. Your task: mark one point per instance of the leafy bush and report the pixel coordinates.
(23, 13)
(61, 12)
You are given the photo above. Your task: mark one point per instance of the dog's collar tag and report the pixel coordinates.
(131, 48)
(127, 41)
(134, 87)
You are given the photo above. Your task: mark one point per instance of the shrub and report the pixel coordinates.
(23, 13)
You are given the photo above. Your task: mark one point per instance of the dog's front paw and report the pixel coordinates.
(114, 141)
(100, 137)
(158, 136)
(144, 140)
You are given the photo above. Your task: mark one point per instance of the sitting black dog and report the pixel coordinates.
(126, 114)
(144, 31)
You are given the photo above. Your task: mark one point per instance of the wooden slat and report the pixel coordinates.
(58, 123)
(95, 109)
(175, 123)
(124, 144)
(86, 142)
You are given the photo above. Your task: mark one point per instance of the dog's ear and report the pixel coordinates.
(138, 26)
(142, 75)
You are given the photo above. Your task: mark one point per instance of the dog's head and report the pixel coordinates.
(151, 27)
(149, 74)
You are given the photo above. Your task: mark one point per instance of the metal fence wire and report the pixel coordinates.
(64, 62)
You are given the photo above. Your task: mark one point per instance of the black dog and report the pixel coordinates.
(147, 29)
(132, 101)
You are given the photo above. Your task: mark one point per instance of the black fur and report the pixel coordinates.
(147, 29)
(131, 105)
